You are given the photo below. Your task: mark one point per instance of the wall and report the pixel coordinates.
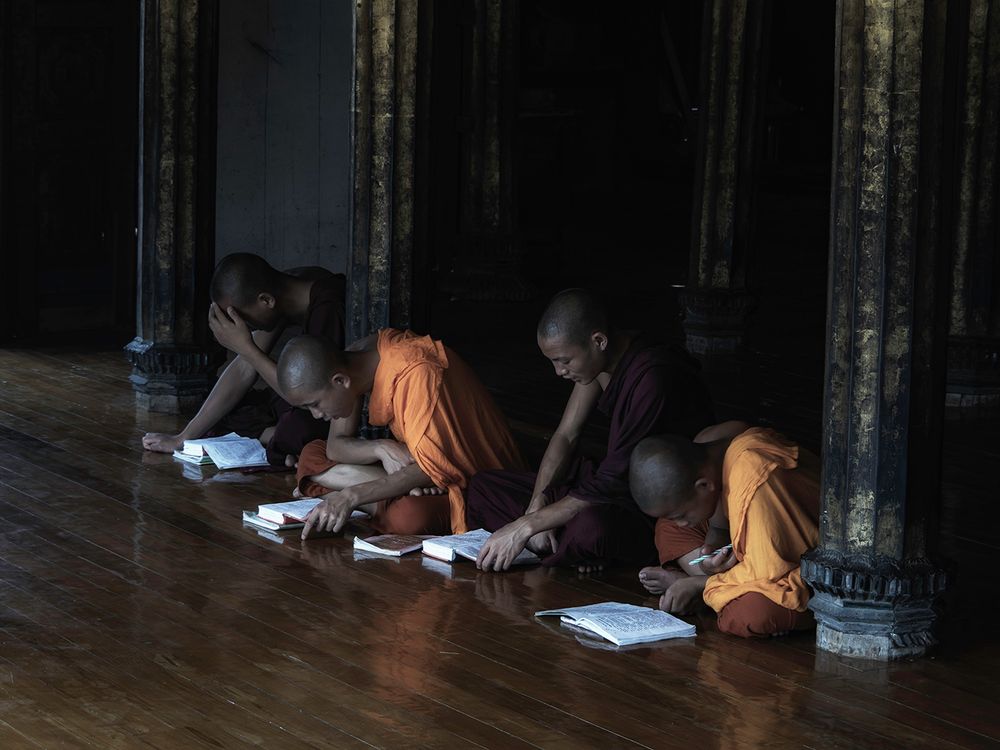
(283, 137)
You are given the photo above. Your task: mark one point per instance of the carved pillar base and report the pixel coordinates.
(973, 372)
(715, 321)
(170, 379)
(879, 612)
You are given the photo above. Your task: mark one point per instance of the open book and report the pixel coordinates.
(623, 624)
(287, 515)
(226, 452)
(394, 545)
(467, 545)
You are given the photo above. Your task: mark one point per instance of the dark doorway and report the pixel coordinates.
(68, 126)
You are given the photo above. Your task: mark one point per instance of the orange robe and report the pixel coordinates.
(433, 403)
(772, 497)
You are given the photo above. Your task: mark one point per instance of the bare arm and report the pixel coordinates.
(234, 383)
(506, 544)
(343, 447)
(563, 443)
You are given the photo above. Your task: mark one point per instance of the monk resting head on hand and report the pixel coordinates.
(674, 478)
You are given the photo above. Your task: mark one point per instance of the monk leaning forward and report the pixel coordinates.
(767, 489)
(253, 305)
(445, 424)
(574, 512)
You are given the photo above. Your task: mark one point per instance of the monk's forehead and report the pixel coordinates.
(555, 347)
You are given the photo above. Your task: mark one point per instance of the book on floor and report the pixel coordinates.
(289, 514)
(623, 624)
(253, 518)
(226, 452)
(193, 451)
(467, 545)
(394, 545)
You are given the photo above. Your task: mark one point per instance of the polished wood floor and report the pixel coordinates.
(137, 611)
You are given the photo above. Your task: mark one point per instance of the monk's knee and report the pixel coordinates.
(415, 514)
(753, 615)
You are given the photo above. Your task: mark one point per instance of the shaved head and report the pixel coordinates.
(663, 471)
(240, 277)
(572, 316)
(307, 363)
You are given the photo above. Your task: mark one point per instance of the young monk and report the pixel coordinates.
(445, 424)
(252, 306)
(677, 545)
(573, 512)
(768, 491)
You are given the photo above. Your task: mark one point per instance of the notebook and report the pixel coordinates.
(291, 513)
(394, 545)
(227, 452)
(467, 545)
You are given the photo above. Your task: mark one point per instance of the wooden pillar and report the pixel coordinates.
(716, 303)
(872, 574)
(172, 358)
(484, 266)
(385, 95)
(974, 327)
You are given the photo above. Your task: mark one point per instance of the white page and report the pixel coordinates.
(296, 509)
(604, 608)
(197, 447)
(468, 545)
(233, 454)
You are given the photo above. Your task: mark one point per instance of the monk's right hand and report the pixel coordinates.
(330, 515)
(394, 455)
(161, 442)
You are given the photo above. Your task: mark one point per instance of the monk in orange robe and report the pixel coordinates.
(445, 424)
(767, 489)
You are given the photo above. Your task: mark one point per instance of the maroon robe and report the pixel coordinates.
(654, 389)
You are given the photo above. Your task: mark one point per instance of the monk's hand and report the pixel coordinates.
(504, 546)
(330, 515)
(393, 455)
(719, 562)
(684, 595)
(543, 543)
(230, 329)
(161, 442)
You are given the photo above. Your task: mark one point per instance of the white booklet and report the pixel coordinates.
(292, 512)
(467, 545)
(623, 624)
(394, 545)
(237, 454)
(193, 451)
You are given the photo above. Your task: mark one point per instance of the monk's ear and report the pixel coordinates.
(341, 380)
(704, 486)
(600, 340)
(267, 300)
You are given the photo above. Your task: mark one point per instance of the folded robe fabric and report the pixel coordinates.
(771, 491)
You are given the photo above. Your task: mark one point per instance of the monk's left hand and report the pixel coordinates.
(684, 595)
(504, 546)
(230, 329)
(330, 515)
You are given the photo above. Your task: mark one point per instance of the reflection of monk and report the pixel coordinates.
(768, 491)
(445, 424)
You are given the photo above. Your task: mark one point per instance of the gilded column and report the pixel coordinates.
(172, 357)
(872, 574)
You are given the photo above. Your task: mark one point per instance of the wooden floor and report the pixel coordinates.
(137, 611)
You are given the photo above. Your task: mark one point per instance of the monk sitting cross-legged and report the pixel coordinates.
(574, 512)
(767, 490)
(445, 424)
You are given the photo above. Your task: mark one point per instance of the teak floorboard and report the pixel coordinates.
(137, 611)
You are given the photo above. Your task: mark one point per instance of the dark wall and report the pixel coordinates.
(68, 122)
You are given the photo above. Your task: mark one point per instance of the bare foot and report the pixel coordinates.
(291, 463)
(594, 566)
(296, 492)
(418, 491)
(656, 579)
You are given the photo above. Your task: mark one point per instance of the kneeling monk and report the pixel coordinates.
(767, 490)
(445, 423)
(573, 512)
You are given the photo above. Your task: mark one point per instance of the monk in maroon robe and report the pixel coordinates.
(253, 305)
(575, 512)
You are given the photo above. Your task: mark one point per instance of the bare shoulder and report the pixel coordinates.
(722, 431)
